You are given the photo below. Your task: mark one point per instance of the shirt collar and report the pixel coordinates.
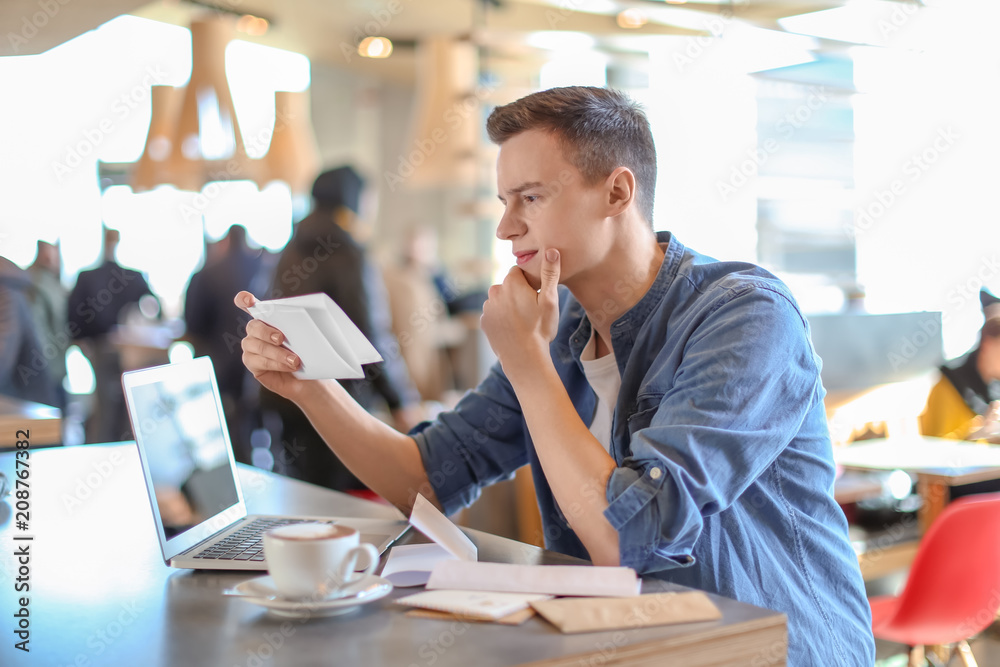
(638, 313)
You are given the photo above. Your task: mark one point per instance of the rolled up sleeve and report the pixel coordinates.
(480, 442)
(746, 381)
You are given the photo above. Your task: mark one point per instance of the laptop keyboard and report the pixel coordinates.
(247, 542)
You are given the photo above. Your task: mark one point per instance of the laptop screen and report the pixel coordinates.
(180, 430)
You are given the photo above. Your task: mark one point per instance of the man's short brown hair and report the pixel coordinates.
(599, 130)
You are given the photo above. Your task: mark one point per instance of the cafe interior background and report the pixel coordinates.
(849, 146)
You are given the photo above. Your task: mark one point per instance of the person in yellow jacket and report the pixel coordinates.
(965, 403)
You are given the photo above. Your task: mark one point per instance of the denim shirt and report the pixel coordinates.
(724, 478)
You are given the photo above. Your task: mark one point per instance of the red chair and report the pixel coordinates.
(953, 589)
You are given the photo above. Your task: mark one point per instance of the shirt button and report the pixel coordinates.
(655, 473)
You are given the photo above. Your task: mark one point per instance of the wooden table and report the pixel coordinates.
(939, 464)
(43, 422)
(855, 485)
(101, 595)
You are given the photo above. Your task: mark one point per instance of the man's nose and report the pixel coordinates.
(509, 226)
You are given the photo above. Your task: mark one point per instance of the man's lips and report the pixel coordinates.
(525, 256)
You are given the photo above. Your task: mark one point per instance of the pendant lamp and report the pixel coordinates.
(194, 136)
(207, 144)
(293, 156)
(445, 133)
(152, 168)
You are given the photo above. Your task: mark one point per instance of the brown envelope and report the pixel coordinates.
(517, 618)
(591, 614)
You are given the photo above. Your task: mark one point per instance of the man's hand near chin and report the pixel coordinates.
(519, 321)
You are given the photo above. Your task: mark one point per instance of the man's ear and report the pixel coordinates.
(620, 190)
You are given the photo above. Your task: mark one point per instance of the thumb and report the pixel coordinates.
(550, 273)
(244, 300)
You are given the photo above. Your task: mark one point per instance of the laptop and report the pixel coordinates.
(191, 476)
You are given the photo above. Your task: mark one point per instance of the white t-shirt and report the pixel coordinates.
(602, 374)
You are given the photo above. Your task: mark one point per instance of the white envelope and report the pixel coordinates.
(431, 522)
(578, 580)
(411, 564)
(325, 339)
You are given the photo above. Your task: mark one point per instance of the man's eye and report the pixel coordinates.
(530, 198)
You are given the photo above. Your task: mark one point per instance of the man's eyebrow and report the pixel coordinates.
(521, 188)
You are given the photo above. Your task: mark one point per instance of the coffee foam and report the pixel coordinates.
(300, 532)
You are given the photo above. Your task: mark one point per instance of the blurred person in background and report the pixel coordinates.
(324, 256)
(965, 403)
(420, 319)
(23, 366)
(48, 304)
(96, 303)
(215, 326)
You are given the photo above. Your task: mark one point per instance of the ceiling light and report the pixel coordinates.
(631, 18)
(375, 47)
(252, 25)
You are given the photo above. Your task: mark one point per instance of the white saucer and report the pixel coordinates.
(261, 591)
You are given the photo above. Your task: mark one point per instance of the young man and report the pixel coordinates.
(669, 405)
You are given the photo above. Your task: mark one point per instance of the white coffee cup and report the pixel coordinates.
(315, 560)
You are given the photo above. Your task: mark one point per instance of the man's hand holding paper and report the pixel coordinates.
(309, 336)
(329, 345)
(265, 356)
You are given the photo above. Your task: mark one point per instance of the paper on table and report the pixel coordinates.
(321, 334)
(411, 564)
(551, 579)
(431, 522)
(576, 615)
(474, 604)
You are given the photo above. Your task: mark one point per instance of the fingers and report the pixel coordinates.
(263, 350)
(263, 331)
(550, 274)
(260, 356)
(244, 300)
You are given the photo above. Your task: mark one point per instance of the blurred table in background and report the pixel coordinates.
(43, 421)
(939, 464)
(854, 485)
(143, 345)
